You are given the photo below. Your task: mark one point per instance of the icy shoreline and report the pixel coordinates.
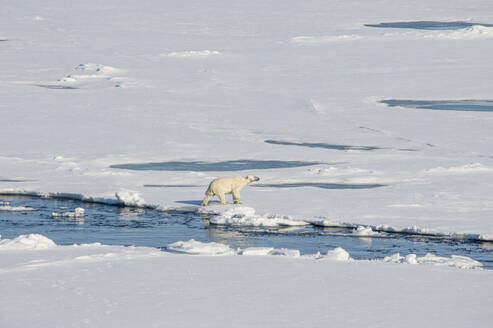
(37, 242)
(105, 286)
(238, 215)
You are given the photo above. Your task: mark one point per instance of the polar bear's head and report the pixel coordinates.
(251, 178)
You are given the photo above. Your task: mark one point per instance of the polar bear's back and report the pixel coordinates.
(226, 185)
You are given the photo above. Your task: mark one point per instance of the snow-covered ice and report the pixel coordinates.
(88, 86)
(105, 286)
(15, 208)
(194, 53)
(199, 248)
(462, 262)
(77, 213)
(27, 242)
(246, 216)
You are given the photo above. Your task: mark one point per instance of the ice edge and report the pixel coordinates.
(320, 221)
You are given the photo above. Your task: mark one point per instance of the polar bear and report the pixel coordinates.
(222, 186)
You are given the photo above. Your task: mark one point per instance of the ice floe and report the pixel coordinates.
(326, 222)
(77, 213)
(364, 231)
(337, 254)
(27, 242)
(8, 208)
(462, 262)
(198, 248)
(129, 198)
(246, 216)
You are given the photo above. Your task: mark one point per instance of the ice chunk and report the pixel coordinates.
(77, 213)
(462, 262)
(337, 254)
(9, 208)
(256, 251)
(364, 231)
(27, 242)
(245, 216)
(129, 198)
(198, 248)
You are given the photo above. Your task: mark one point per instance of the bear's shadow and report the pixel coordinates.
(197, 202)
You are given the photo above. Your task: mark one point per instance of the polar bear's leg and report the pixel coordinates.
(205, 202)
(236, 196)
(222, 197)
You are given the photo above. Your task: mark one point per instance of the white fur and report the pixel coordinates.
(222, 186)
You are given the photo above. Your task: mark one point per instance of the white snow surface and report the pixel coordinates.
(115, 286)
(9, 208)
(77, 213)
(27, 242)
(462, 262)
(199, 248)
(194, 53)
(246, 216)
(314, 78)
(90, 85)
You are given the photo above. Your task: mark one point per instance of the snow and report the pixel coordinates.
(337, 254)
(462, 262)
(9, 208)
(191, 53)
(27, 242)
(91, 85)
(245, 216)
(473, 32)
(110, 286)
(198, 248)
(364, 231)
(324, 39)
(77, 213)
(130, 198)
(176, 110)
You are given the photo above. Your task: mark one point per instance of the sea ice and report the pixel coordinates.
(27, 242)
(129, 198)
(337, 254)
(77, 213)
(198, 248)
(245, 216)
(364, 231)
(462, 262)
(8, 208)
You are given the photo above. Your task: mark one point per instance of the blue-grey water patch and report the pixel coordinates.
(320, 185)
(320, 145)
(112, 225)
(55, 86)
(14, 180)
(428, 25)
(199, 166)
(469, 105)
